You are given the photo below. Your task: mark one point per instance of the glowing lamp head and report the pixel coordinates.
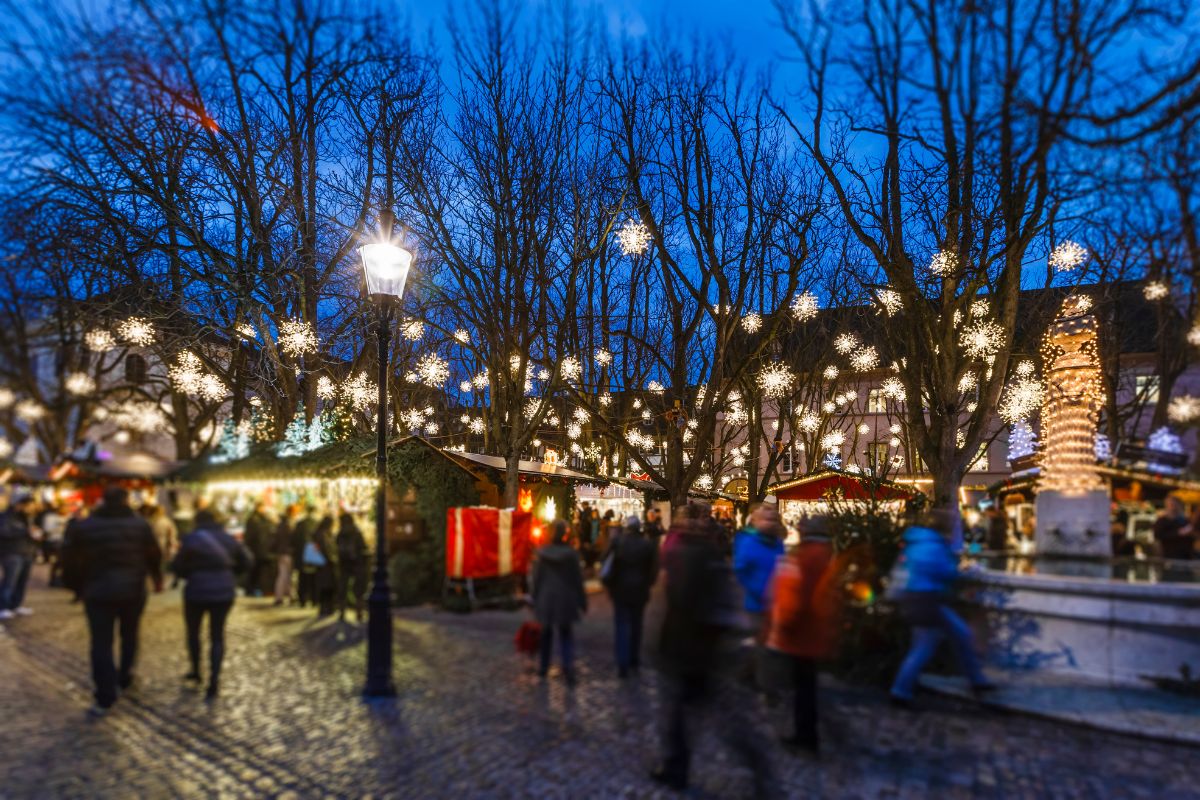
(386, 268)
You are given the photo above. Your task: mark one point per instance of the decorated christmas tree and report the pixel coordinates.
(295, 438)
(233, 445)
(318, 434)
(337, 422)
(1022, 441)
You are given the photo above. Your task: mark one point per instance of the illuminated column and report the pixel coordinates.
(1072, 502)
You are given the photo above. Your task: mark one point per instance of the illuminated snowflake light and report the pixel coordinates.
(654, 387)
(6, 447)
(1193, 336)
(895, 428)
(866, 358)
(433, 370)
(476, 426)
(603, 357)
(571, 368)
(830, 373)
(464, 386)
(1156, 290)
(461, 336)
(752, 322)
(845, 343)
(543, 374)
(325, 388)
(1068, 256)
(99, 341)
(1184, 408)
(776, 379)
(894, 441)
(606, 399)
(212, 388)
(634, 238)
(29, 411)
(1021, 400)
(581, 416)
(137, 331)
(889, 301)
(829, 407)
(480, 381)
(1026, 369)
(943, 263)
(79, 384)
(864, 429)
(833, 441)
(412, 419)
(980, 308)
(187, 372)
(736, 415)
(360, 391)
(893, 388)
(412, 329)
(140, 416)
(982, 339)
(805, 306)
(967, 382)
(808, 422)
(574, 431)
(431, 428)
(297, 337)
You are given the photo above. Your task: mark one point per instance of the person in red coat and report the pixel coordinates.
(803, 624)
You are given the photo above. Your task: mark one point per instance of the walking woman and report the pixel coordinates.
(209, 559)
(558, 598)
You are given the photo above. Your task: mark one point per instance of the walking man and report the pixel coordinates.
(106, 560)
(17, 550)
(634, 568)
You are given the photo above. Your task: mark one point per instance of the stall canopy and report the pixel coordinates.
(828, 484)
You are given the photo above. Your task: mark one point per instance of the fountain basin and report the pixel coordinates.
(1122, 630)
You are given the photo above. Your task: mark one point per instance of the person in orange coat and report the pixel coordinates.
(803, 624)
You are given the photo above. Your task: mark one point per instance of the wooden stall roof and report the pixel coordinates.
(526, 468)
(820, 485)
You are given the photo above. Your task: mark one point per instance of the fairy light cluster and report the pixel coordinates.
(1073, 396)
(297, 337)
(866, 358)
(360, 391)
(889, 301)
(752, 322)
(79, 384)
(893, 388)
(943, 263)
(845, 343)
(136, 331)
(99, 341)
(805, 306)
(776, 379)
(634, 238)
(412, 329)
(982, 339)
(603, 357)
(433, 370)
(570, 367)
(29, 411)
(1068, 256)
(654, 387)
(1156, 290)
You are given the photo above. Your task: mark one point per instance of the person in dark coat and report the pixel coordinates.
(258, 539)
(107, 559)
(559, 598)
(209, 559)
(326, 578)
(352, 566)
(284, 558)
(302, 535)
(634, 570)
(17, 552)
(701, 616)
(653, 529)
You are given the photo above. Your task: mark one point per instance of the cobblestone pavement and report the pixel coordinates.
(472, 721)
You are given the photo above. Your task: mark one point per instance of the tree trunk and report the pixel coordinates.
(512, 479)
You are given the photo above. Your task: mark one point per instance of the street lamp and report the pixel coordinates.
(385, 267)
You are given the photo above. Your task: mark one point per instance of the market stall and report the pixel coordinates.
(827, 490)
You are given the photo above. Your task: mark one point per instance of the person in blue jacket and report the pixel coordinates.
(932, 571)
(756, 549)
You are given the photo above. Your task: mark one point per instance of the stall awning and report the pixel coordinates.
(843, 485)
(526, 468)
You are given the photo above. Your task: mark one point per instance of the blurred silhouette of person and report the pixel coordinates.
(803, 625)
(302, 554)
(352, 565)
(209, 561)
(925, 602)
(257, 539)
(284, 558)
(702, 610)
(18, 549)
(107, 559)
(326, 577)
(1172, 534)
(634, 570)
(559, 599)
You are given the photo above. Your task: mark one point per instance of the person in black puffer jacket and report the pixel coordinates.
(209, 559)
(633, 570)
(106, 561)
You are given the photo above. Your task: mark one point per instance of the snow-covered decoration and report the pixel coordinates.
(295, 438)
(634, 238)
(99, 341)
(830, 373)
(1022, 441)
(805, 306)
(29, 411)
(776, 379)
(1167, 441)
(865, 358)
(943, 263)
(433, 370)
(1156, 290)
(654, 387)
(412, 329)
(889, 301)
(752, 322)
(461, 336)
(137, 331)
(1102, 447)
(845, 343)
(981, 339)
(297, 337)
(79, 384)
(1068, 256)
(603, 357)
(571, 368)
(1184, 408)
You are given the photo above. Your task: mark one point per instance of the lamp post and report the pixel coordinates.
(385, 267)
